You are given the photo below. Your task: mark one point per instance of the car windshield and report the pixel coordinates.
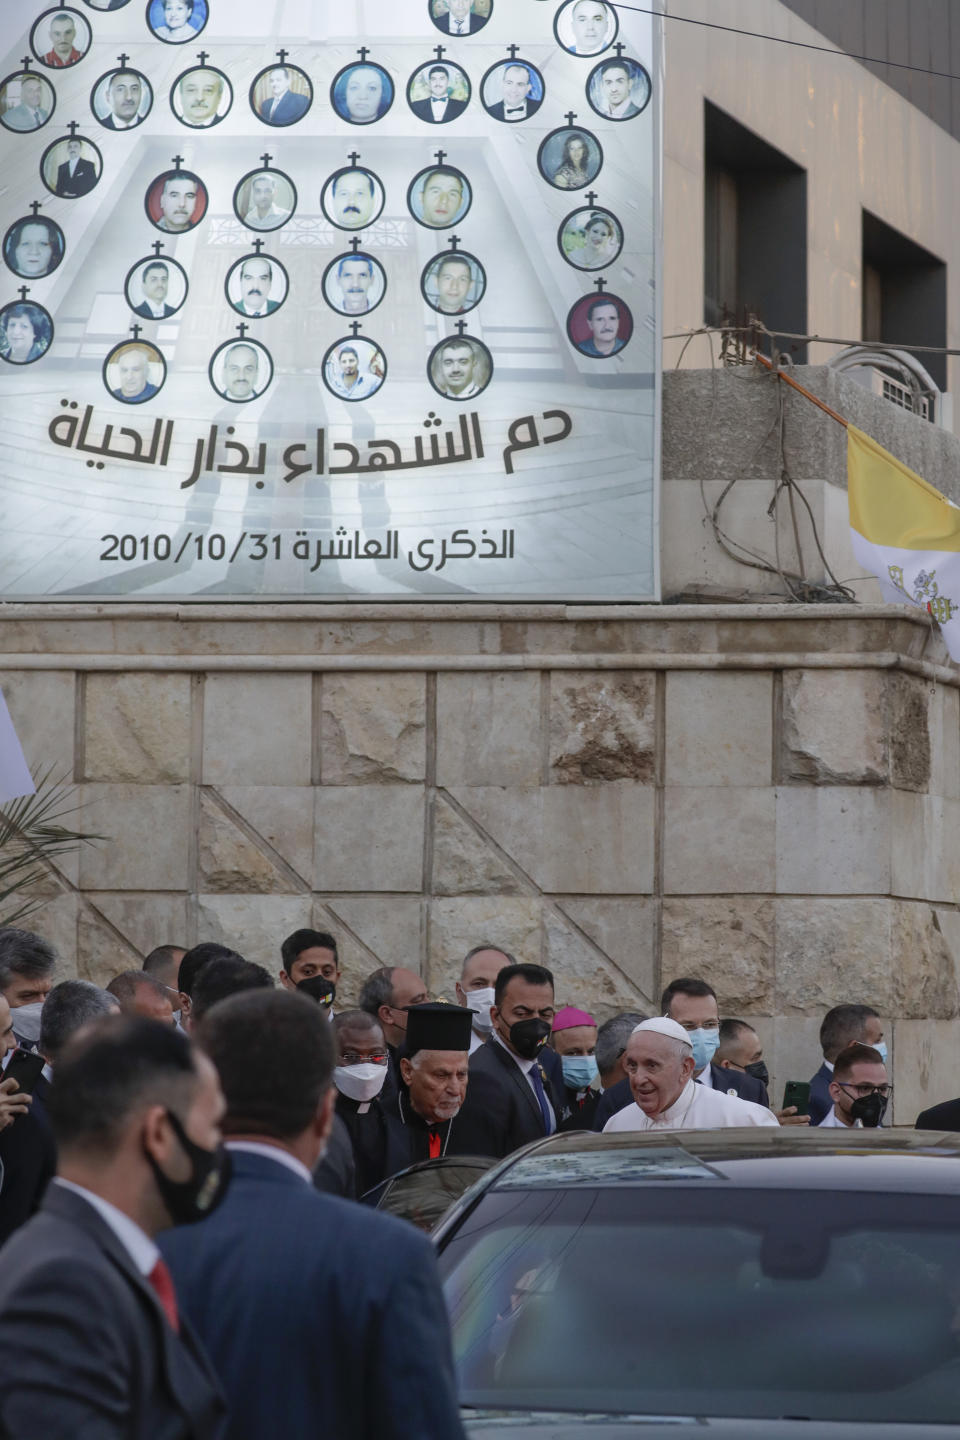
(716, 1302)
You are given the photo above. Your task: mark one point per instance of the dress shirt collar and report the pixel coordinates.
(525, 1065)
(515, 109)
(272, 1152)
(135, 1241)
(705, 1077)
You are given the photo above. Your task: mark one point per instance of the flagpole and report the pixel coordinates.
(807, 394)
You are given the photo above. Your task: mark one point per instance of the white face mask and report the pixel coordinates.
(479, 1001)
(360, 1082)
(26, 1021)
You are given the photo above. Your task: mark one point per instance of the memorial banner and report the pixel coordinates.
(329, 299)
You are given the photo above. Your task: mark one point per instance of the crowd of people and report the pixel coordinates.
(199, 1088)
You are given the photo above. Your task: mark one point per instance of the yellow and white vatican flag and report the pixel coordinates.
(906, 533)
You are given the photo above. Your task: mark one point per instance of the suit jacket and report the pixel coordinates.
(109, 123)
(83, 181)
(501, 1112)
(945, 1116)
(322, 1318)
(821, 1100)
(271, 306)
(378, 1150)
(477, 22)
(497, 111)
(21, 117)
(336, 1173)
(148, 314)
(291, 107)
(28, 1162)
(86, 1348)
(747, 1087)
(424, 111)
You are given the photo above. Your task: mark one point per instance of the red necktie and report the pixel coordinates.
(434, 1144)
(162, 1282)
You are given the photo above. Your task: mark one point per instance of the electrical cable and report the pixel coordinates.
(781, 40)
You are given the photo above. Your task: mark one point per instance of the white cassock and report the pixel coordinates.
(696, 1108)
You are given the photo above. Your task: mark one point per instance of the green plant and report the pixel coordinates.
(32, 839)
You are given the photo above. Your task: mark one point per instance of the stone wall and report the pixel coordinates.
(764, 794)
(761, 793)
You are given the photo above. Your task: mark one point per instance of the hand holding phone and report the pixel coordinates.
(13, 1102)
(25, 1067)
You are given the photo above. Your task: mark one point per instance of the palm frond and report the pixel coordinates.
(33, 838)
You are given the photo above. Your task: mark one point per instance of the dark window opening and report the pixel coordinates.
(904, 295)
(755, 232)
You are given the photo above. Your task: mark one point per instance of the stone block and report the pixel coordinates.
(372, 729)
(582, 977)
(835, 727)
(369, 837)
(833, 840)
(625, 931)
(56, 920)
(795, 1053)
(729, 942)
(718, 839)
(832, 952)
(370, 933)
(602, 726)
(143, 921)
(719, 728)
(229, 859)
(926, 846)
(924, 956)
(148, 837)
(253, 925)
(926, 1066)
(910, 757)
(257, 729)
(945, 743)
(101, 951)
(281, 817)
(488, 729)
(137, 728)
(464, 860)
(598, 841)
(456, 926)
(42, 708)
(572, 839)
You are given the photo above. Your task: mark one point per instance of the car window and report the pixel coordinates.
(423, 1195)
(759, 1305)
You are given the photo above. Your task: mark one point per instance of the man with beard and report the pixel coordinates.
(434, 1071)
(124, 94)
(859, 1089)
(241, 369)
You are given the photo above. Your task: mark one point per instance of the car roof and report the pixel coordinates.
(756, 1157)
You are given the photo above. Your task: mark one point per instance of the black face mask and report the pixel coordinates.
(528, 1037)
(759, 1072)
(193, 1199)
(320, 989)
(870, 1109)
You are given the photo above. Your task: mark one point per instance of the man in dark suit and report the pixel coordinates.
(945, 1116)
(386, 995)
(693, 1004)
(439, 106)
(840, 1027)
(518, 102)
(91, 1339)
(511, 1097)
(285, 105)
(75, 177)
(341, 1305)
(28, 1154)
(459, 19)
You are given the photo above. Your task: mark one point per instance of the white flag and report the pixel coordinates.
(15, 778)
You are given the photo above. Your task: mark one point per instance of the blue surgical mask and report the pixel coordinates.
(881, 1049)
(704, 1044)
(579, 1071)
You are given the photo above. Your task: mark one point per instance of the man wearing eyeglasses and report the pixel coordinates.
(859, 1089)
